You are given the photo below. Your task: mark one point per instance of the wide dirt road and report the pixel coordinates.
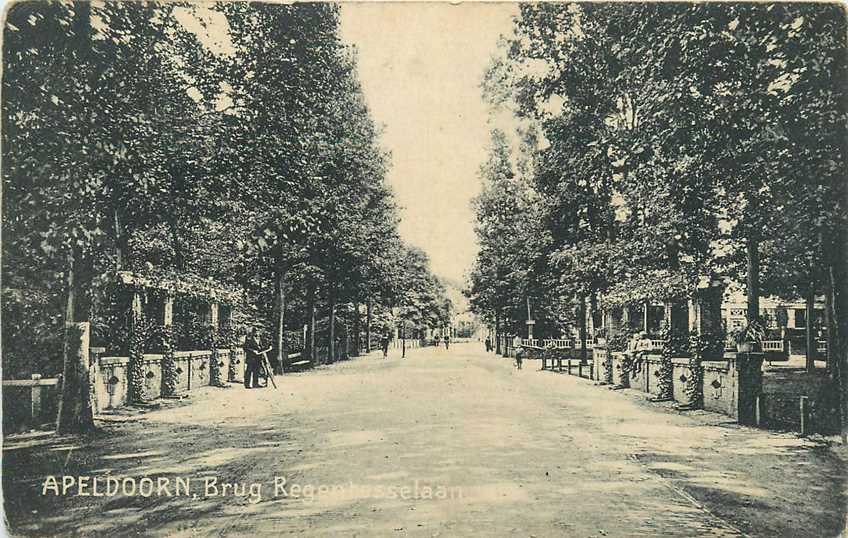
(441, 443)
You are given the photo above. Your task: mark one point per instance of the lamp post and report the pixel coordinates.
(530, 321)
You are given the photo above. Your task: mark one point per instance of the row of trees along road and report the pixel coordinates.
(659, 143)
(227, 142)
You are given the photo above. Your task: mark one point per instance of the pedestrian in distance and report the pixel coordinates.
(519, 357)
(437, 340)
(447, 341)
(384, 343)
(488, 344)
(252, 359)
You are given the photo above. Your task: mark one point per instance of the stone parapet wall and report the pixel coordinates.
(193, 368)
(620, 376)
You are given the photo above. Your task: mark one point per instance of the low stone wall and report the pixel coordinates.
(152, 377)
(200, 367)
(681, 373)
(644, 374)
(730, 385)
(601, 355)
(720, 387)
(193, 370)
(110, 383)
(223, 364)
(638, 377)
(652, 365)
(237, 361)
(182, 365)
(620, 376)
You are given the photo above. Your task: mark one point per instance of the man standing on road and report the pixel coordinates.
(252, 360)
(384, 343)
(488, 344)
(447, 341)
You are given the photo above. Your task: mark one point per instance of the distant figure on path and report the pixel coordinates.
(447, 341)
(519, 356)
(384, 343)
(437, 340)
(252, 360)
(488, 344)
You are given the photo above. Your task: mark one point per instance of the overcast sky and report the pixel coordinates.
(421, 65)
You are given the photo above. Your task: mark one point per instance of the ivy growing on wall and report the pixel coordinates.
(675, 344)
(608, 367)
(215, 374)
(227, 337)
(169, 366)
(701, 346)
(135, 366)
(618, 340)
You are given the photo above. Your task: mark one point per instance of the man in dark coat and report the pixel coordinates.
(384, 343)
(252, 360)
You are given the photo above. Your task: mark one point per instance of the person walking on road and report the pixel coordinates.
(384, 343)
(519, 357)
(447, 341)
(488, 345)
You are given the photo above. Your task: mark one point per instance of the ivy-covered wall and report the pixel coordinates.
(191, 368)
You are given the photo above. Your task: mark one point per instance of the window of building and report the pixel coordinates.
(800, 318)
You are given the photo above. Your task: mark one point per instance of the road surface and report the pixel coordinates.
(442, 443)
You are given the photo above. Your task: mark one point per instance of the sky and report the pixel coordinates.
(420, 65)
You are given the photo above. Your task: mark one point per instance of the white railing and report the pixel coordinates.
(530, 342)
(567, 343)
(772, 345)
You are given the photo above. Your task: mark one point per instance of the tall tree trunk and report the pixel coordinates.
(830, 327)
(752, 260)
(119, 239)
(368, 308)
(593, 310)
(310, 330)
(839, 287)
(497, 333)
(280, 336)
(347, 340)
(808, 327)
(584, 354)
(76, 414)
(71, 294)
(356, 330)
(176, 243)
(331, 345)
